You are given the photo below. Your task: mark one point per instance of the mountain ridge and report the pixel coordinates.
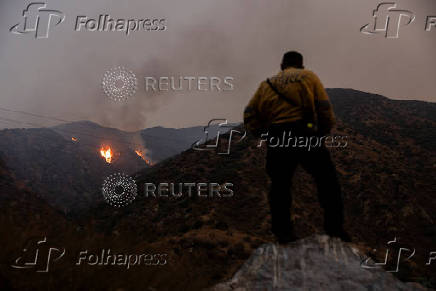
(387, 177)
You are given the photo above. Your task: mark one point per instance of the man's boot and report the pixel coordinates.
(333, 225)
(284, 237)
(340, 233)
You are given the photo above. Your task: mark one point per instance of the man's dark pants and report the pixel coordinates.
(281, 165)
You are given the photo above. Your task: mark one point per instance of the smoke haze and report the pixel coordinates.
(61, 76)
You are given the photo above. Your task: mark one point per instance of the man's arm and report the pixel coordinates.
(325, 113)
(254, 122)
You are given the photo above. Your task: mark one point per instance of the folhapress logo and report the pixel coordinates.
(217, 144)
(30, 259)
(388, 20)
(38, 20)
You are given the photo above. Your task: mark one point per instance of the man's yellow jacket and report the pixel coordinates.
(304, 91)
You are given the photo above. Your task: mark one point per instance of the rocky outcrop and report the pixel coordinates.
(315, 263)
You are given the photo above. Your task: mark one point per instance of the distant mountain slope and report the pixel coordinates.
(387, 178)
(390, 122)
(388, 186)
(159, 142)
(67, 172)
(26, 219)
(24, 216)
(166, 142)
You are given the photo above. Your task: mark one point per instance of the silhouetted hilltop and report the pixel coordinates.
(386, 170)
(387, 178)
(390, 122)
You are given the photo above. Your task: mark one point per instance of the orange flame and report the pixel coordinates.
(74, 139)
(107, 154)
(142, 155)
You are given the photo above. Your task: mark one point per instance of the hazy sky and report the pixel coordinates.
(61, 76)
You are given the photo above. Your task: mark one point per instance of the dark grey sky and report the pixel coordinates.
(61, 76)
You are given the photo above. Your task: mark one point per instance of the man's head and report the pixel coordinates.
(292, 59)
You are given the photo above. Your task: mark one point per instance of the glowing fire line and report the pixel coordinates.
(142, 155)
(107, 154)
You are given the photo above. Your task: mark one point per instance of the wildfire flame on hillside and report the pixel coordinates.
(144, 157)
(74, 139)
(107, 154)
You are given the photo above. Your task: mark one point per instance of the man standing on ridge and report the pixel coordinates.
(295, 102)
